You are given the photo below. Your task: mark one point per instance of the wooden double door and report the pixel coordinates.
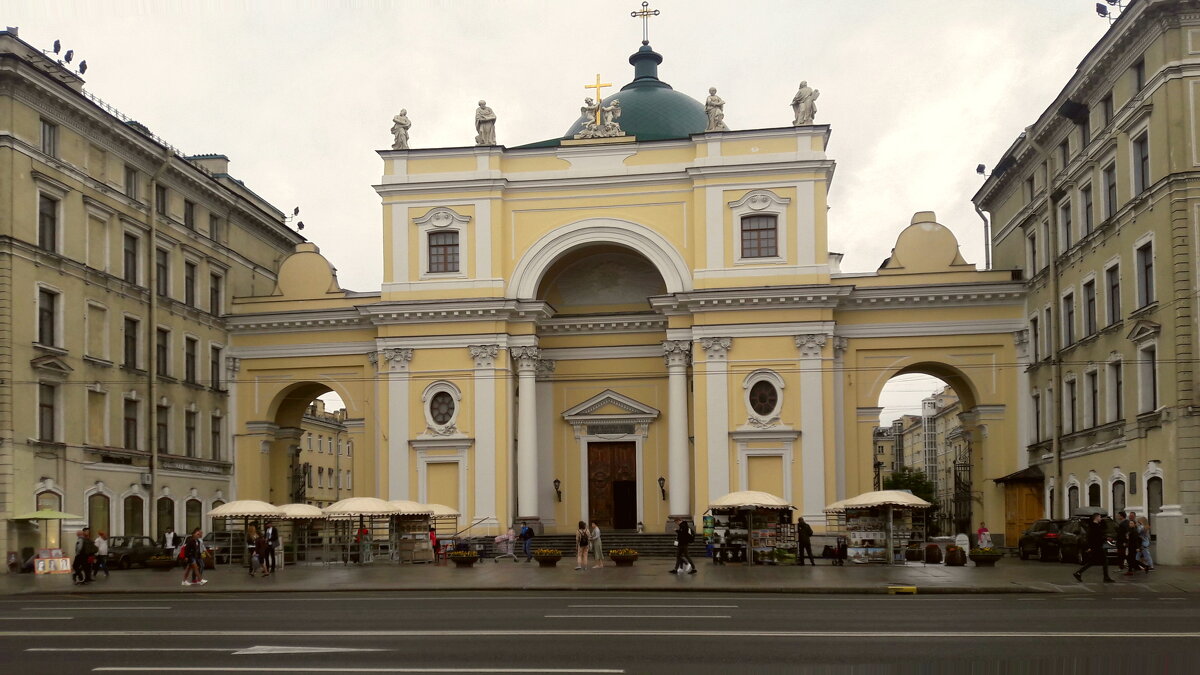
(612, 485)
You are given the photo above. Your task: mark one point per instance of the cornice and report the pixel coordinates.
(944, 295)
(594, 325)
(758, 297)
(302, 320)
(441, 311)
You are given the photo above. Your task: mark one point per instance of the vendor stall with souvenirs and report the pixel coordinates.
(751, 526)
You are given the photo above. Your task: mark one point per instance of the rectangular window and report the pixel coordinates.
(1072, 406)
(443, 252)
(214, 367)
(1064, 226)
(1032, 253)
(1106, 108)
(1064, 155)
(214, 294)
(50, 138)
(131, 182)
(320, 476)
(1047, 324)
(1110, 190)
(214, 227)
(1112, 278)
(1037, 418)
(191, 358)
(47, 223)
(189, 283)
(47, 412)
(47, 318)
(162, 271)
(1092, 382)
(1089, 308)
(130, 258)
(1035, 338)
(1139, 75)
(1030, 190)
(189, 433)
(1141, 164)
(189, 214)
(162, 345)
(1145, 271)
(1116, 392)
(96, 323)
(1148, 378)
(131, 425)
(162, 427)
(130, 343)
(215, 441)
(1085, 131)
(1068, 319)
(160, 200)
(760, 237)
(1088, 221)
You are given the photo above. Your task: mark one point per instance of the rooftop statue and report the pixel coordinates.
(485, 125)
(804, 104)
(714, 107)
(400, 127)
(601, 120)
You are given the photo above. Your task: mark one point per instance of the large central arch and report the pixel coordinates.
(539, 257)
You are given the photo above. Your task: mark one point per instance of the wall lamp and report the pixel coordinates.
(662, 487)
(557, 491)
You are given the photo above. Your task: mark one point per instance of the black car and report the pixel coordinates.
(1043, 539)
(126, 551)
(1073, 540)
(227, 547)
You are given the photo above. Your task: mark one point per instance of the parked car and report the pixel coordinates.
(227, 547)
(126, 551)
(1073, 540)
(1042, 539)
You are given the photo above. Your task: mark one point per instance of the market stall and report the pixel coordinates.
(880, 525)
(358, 529)
(303, 531)
(50, 557)
(410, 532)
(251, 513)
(751, 526)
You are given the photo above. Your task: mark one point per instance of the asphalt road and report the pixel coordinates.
(593, 633)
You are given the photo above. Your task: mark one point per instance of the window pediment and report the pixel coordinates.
(1143, 330)
(51, 365)
(441, 217)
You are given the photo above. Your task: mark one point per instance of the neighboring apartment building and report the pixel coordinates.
(936, 444)
(885, 454)
(325, 457)
(118, 260)
(1097, 203)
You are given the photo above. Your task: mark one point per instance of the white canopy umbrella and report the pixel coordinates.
(837, 507)
(360, 506)
(762, 500)
(442, 511)
(245, 508)
(410, 508)
(301, 512)
(885, 498)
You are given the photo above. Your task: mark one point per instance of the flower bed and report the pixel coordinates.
(547, 557)
(985, 557)
(623, 557)
(463, 558)
(955, 556)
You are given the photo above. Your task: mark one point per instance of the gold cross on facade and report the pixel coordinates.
(645, 13)
(599, 85)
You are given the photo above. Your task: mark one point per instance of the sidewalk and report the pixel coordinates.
(649, 575)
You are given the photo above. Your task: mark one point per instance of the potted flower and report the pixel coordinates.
(623, 557)
(985, 557)
(955, 556)
(463, 558)
(547, 557)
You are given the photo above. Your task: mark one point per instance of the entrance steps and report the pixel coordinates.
(647, 545)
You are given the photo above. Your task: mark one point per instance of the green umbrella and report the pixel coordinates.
(48, 514)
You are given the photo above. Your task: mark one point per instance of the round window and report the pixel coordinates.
(441, 408)
(763, 397)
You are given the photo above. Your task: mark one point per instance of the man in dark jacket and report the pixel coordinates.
(804, 532)
(683, 537)
(1096, 534)
(81, 569)
(1122, 537)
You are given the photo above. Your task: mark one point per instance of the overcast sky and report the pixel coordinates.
(300, 93)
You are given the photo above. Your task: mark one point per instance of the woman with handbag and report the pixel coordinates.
(582, 541)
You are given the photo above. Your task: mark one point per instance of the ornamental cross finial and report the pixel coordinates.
(645, 13)
(598, 86)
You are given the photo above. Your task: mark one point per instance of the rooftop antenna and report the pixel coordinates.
(1111, 14)
(299, 223)
(57, 46)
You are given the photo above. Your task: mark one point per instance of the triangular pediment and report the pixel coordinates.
(1143, 330)
(610, 404)
(51, 364)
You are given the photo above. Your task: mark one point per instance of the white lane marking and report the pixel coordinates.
(1125, 598)
(294, 669)
(129, 649)
(660, 606)
(589, 632)
(35, 618)
(636, 616)
(268, 649)
(1172, 598)
(86, 609)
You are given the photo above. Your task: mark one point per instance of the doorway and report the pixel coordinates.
(612, 485)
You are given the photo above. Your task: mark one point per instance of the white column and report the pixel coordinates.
(233, 367)
(394, 362)
(485, 432)
(677, 355)
(812, 425)
(716, 398)
(526, 361)
(839, 415)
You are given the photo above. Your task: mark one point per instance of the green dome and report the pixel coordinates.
(650, 109)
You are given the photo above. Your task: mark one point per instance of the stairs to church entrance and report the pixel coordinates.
(647, 545)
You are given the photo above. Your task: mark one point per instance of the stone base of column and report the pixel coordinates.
(534, 523)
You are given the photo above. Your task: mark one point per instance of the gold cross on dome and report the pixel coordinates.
(598, 86)
(645, 13)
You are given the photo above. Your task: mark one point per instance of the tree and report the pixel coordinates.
(913, 480)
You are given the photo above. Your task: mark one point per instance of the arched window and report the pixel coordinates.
(134, 508)
(193, 511)
(166, 515)
(218, 524)
(49, 500)
(1094, 494)
(1154, 498)
(98, 513)
(1118, 496)
(1072, 500)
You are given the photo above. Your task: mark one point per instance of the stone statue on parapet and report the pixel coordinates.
(804, 104)
(600, 121)
(485, 125)
(714, 107)
(400, 127)
(590, 112)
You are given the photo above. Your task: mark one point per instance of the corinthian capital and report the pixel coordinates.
(392, 359)
(810, 345)
(677, 352)
(716, 348)
(484, 355)
(526, 358)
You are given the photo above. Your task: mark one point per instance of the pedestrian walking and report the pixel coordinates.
(683, 537)
(582, 540)
(1143, 531)
(272, 534)
(983, 536)
(101, 554)
(504, 546)
(259, 559)
(805, 533)
(251, 539)
(1123, 525)
(596, 544)
(193, 556)
(1096, 535)
(81, 567)
(527, 541)
(170, 541)
(1133, 546)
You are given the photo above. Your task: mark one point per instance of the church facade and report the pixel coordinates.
(622, 328)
